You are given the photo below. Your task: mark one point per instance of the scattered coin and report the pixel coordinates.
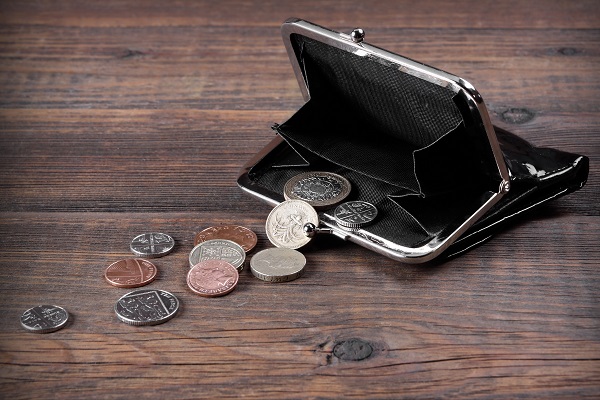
(355, 214)
(152, 245)
(212, 278)
(130, 273)
(238, 234)
(319, 189)
(285, 223)
(278, 265)
(219, 249)
(146, 307)
(44, 319)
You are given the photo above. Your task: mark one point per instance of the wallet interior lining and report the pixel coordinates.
(370, 117)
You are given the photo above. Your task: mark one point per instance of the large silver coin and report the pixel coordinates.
(355, 214)
(44, 319)
(319, 189)
(146, 307)
(152, 245)
(278, 265)
(286, 221)
(219, 249)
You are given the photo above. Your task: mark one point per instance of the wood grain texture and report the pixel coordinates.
(122, 117)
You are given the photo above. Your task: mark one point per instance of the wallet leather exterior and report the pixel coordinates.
(538, 175)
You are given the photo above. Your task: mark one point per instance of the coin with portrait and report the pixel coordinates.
(212, 278)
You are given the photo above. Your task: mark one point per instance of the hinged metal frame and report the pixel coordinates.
(362, 236)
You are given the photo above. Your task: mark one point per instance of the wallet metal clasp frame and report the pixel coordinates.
(354, 43)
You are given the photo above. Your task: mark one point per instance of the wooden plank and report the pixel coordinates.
(428, 14)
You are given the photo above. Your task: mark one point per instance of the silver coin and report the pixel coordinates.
(219, 249)
(319, 189)
(44, 319)
(285, 223)
(146, 307)
(152, 245)
(278, 265)
(355, 214)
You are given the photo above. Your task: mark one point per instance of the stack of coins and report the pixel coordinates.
(217, 259)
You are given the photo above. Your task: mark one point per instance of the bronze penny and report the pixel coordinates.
(212, 278)
(130, 273)
(238, 234)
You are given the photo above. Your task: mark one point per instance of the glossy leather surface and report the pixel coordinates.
(538, 175)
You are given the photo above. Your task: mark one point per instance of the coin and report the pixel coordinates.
(238, 234)
(355, 214)
(44, 319)
(319, 189)
(277, 265)
(286, 221)
(130, 273)
(219, 249)
(146, 307)
(152, 245)
(212, 278)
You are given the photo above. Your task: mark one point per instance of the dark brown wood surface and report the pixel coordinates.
(121, 117)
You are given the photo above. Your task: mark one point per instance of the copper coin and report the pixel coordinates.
(238, 234)
(130, 273)
(212, 278)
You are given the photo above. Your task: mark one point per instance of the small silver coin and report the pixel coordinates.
(219, 249)
(146, 307)
(44, 319)
(319, 189)
(278, 265)
(355, 214)
(152, 245)
(285, 223)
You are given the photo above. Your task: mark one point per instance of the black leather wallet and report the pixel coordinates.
(414, 141)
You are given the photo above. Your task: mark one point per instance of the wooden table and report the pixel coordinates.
(121, 117)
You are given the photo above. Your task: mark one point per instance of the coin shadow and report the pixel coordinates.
(378, 263)
(70, 321)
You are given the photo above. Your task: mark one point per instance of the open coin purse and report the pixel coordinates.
(414, 141)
